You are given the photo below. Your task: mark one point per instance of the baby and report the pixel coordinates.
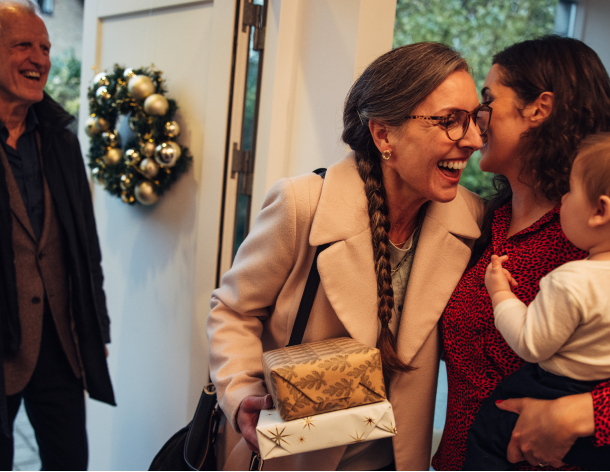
(566, 329)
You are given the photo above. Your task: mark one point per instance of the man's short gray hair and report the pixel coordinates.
(28, 5)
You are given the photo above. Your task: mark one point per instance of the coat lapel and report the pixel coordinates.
(346, 268)
(17, 206)
(440, 260)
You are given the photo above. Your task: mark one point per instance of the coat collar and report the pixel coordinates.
(347, 269)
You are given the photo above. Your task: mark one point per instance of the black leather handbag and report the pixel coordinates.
(193, 447)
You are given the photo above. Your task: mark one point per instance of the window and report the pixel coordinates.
(478, 29)
(46, 6)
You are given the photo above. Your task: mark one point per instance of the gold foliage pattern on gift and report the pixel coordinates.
(324, 376)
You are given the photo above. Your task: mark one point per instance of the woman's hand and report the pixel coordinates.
(247, 417)
(547, 429)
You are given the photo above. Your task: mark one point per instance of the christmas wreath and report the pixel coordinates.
(150, 160)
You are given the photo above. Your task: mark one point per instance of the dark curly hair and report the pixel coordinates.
(388, 91)
(575, 75)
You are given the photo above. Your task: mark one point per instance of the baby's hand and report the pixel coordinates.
(499, 280)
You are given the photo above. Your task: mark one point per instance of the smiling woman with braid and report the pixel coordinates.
(400, 231)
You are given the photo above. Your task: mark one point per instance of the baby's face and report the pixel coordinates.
(576, 209)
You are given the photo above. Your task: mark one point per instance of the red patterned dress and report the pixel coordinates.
(477, 356)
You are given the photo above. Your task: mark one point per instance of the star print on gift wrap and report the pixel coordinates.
(369, 421)
(141, 169)
(358, 438)
(279, 436)
(389, 429)
(308, 423)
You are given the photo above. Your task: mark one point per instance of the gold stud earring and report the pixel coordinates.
(386, 155)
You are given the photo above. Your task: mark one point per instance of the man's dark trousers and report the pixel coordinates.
(55, 403)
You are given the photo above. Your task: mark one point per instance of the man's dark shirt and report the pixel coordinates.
(25, 165)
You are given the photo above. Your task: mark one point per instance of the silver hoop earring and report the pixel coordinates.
(386, 155)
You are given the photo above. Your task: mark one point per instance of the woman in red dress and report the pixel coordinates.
(546, 94)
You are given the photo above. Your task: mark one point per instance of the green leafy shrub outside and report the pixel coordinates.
(477, 29)
(63, 84)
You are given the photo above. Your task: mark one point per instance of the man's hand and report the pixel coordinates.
(499, 280)
(247, 418)
(547, 429)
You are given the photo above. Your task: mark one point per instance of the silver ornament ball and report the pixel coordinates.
(132, 156)
(149, 168)
(129, 73)
(100, 80)
(102, 95)
(132, 123)
(113, 156)
(172, 129)
(145, 193)
(167, 154)
(90, 127)
(148, 149)
(111, 138)
(126, 181)
(95, 172)
(156, 104)
(140, 87)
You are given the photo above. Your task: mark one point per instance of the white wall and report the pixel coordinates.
(592, 21)
(313, 52)
(160, 261)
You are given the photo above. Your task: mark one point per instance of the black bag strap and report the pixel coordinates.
(309, 294)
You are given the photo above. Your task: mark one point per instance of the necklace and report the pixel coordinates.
(398, 245)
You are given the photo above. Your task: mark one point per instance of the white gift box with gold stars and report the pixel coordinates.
(277, 437)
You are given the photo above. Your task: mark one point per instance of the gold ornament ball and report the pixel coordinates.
(156, 104)
(145, 193)
(113, 156)
(167, 154)
(149, 168)
(148, 149)
(172, 129)
(126, 181)
(140, 87)
(100, 79)
(101, 123)
(132, 156)
(111, 138)
(90, 127)
(129, 73)
(102, 95)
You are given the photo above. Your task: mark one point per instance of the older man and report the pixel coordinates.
(53, 320)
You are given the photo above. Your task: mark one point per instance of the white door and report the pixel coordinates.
(160, 262)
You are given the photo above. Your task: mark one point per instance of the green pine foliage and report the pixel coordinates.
(477, 29)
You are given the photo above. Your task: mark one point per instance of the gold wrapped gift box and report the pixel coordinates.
(278, 438)
(313, 378)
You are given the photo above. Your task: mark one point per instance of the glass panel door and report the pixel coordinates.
(242, 128)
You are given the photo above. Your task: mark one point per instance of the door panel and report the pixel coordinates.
(160, 261)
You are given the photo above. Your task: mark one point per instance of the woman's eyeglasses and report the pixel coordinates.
(456, 124)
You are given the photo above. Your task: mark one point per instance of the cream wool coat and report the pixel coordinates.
(255, 307)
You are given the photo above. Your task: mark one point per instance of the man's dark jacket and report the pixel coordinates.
(64, 170)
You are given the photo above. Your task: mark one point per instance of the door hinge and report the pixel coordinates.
(243, 163)
(253, 16)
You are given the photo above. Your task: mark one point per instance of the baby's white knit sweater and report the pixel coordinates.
(566, 329)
